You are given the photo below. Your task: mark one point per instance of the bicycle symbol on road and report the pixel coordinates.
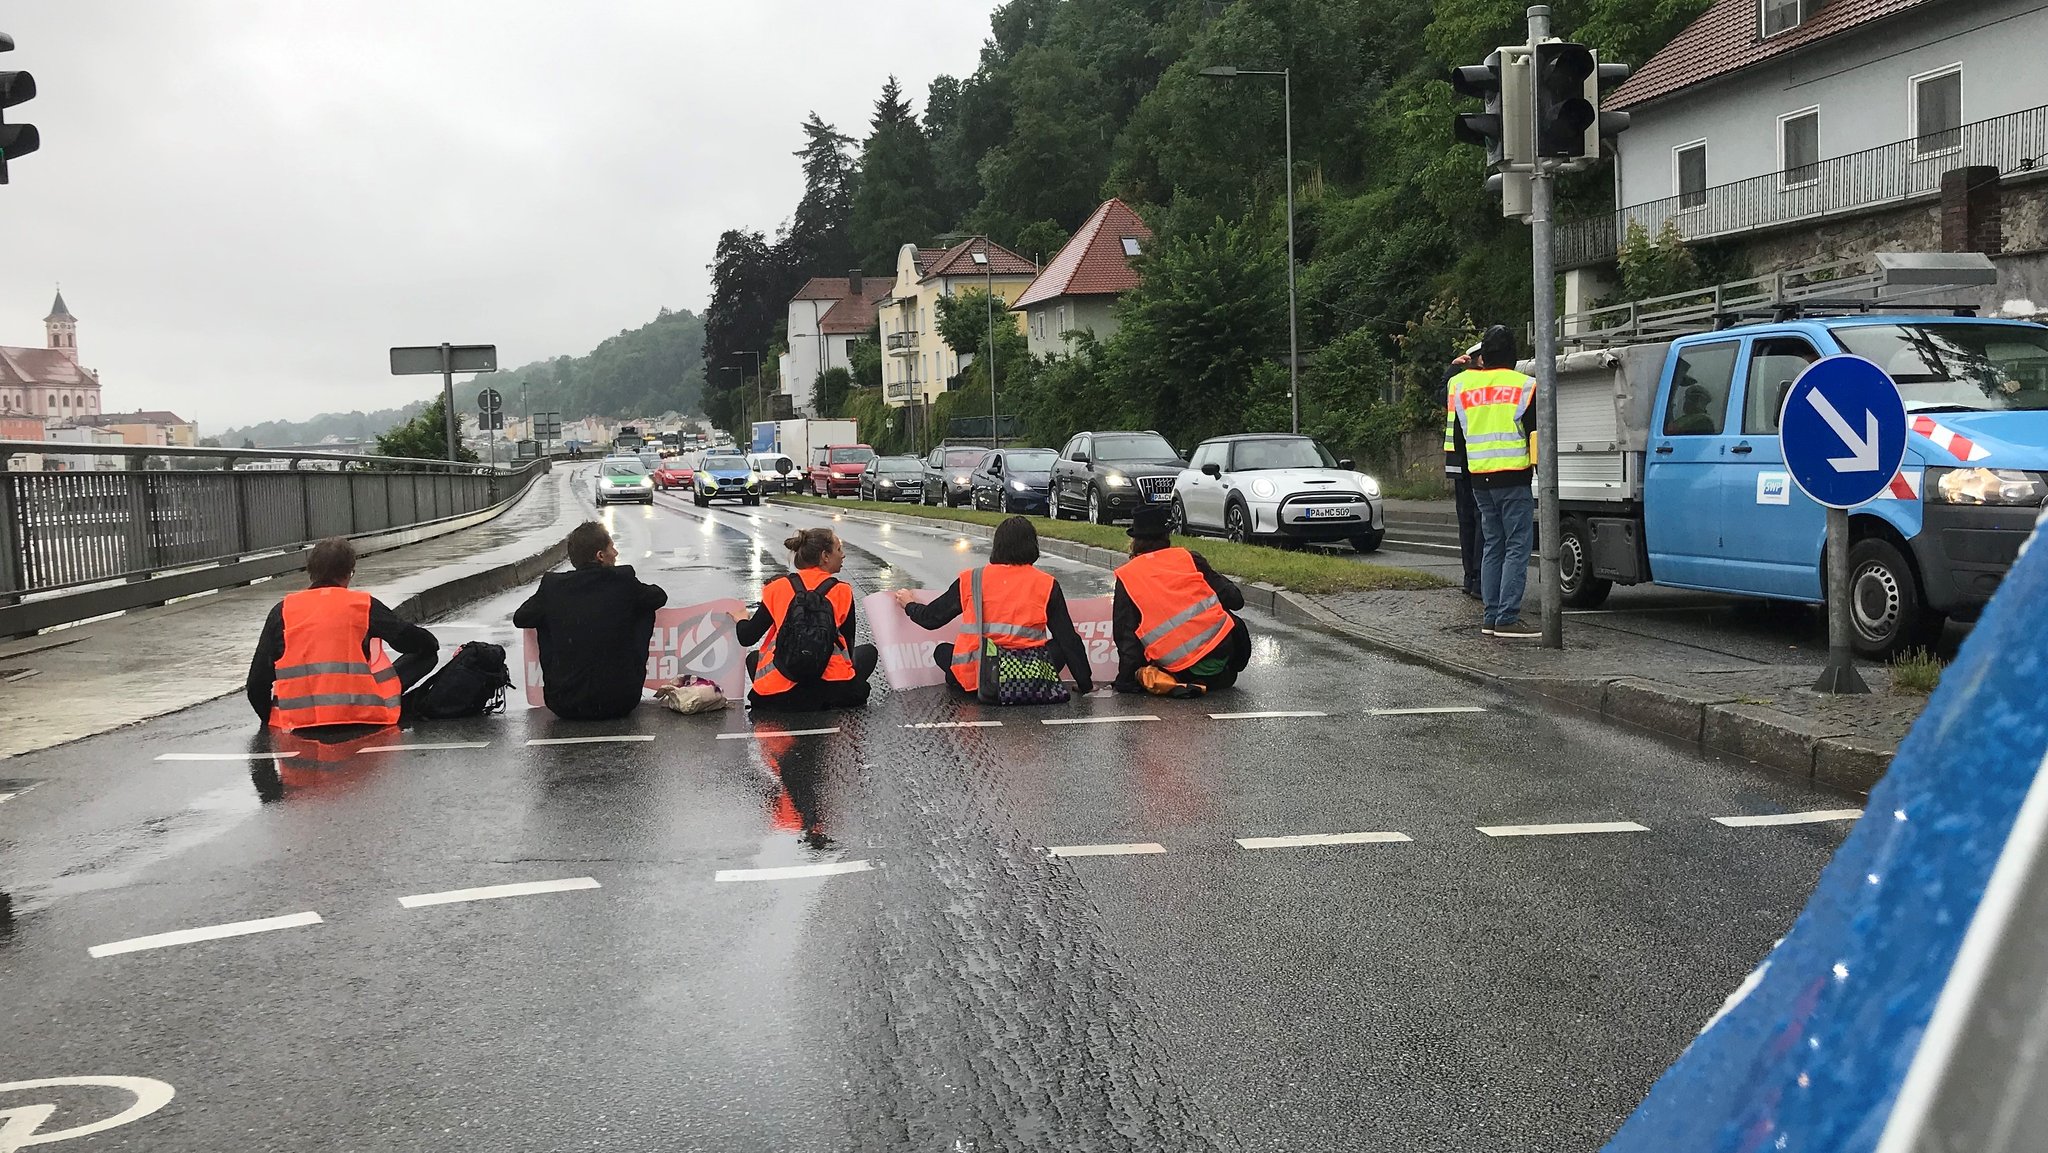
(22, 1125)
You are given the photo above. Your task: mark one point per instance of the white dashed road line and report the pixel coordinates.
(225, 756)
(6, 797)
(589, 740)
(427, 748)
(757, 734)
(1262, 716)
(1141, 848)
(1560, 830)
(956, 725)
(1098, 720)
(1309, 839)
(493, 892)
(793, 872)
(1423, 712)
(209, 933)
(1813, 818)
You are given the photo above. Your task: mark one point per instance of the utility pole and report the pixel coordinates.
(1286, 75)
(1549, 525)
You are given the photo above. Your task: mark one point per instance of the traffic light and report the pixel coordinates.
(1569, 123)
(16, 140)
(1504, 127)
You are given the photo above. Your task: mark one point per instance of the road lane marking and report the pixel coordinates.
(209, 933)
(899, 550)
(1423, 712)
(1309, 839)
(1098, 720)
(1261, 716)
(427, 748)
(1559, 830)
(757, 734)
(493, 892)
(631, 737)
(1813, 818)
(1141, 848)
(6, 797)
(225, 756)
(793, 872)
(956, 725)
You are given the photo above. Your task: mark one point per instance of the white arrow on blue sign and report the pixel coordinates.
(1843, 429)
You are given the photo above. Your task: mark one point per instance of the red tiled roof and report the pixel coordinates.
(926, 257)
(1093, 262)
(43, 366)
(959, 261)
(1725, 39)
(854, 315)
(823, 288)
(144, 416)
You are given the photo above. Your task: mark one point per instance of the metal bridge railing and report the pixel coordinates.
(1892, 173)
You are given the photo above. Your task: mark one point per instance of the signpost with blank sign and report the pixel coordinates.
(446, 359)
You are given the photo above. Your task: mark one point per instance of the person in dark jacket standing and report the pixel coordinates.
(1174, 618)
(1469, 543)
(1022, 599)
(594, 623)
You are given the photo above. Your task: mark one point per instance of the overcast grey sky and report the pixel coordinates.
(249, 201)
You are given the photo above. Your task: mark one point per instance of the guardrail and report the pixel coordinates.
(1893, 173)
(80, 544)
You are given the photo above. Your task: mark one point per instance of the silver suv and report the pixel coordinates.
(1277, 487)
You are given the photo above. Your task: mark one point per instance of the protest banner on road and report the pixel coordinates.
(906, 650)
(693, 639)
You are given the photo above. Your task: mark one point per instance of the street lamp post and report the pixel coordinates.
(760, 395)
(1286, 75)
(742, 370)
(989, 273)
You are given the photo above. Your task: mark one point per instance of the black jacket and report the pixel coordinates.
(385, 626)
(1124, 620)
(594, 625)
(1069, 652)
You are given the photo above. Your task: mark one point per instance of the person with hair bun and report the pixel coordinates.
(781, 682)
(1011, 601)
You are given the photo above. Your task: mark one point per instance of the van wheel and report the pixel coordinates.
(1885, 614)
(1576, 583)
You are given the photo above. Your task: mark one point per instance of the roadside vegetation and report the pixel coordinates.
(1917, 671)
(1304, 571)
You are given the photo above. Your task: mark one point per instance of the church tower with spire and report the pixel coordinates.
(61, 328)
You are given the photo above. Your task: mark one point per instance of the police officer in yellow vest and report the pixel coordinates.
(1489, 406)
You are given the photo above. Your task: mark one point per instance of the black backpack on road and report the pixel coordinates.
(809, 634)
(471, 684)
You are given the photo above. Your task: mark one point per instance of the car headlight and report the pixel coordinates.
(885, 484)
(960, 478)
(1369, 486)
(1263, 488)
(1117, 480)
(1989, 486)
(1020, 486)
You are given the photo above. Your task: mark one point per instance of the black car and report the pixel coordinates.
(946, 470)
(892, 478)
(1107, 476)
(1013, 480)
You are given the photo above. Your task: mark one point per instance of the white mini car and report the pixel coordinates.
(1273, 486)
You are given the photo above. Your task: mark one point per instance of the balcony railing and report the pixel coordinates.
(902, 343)
(1891, 174)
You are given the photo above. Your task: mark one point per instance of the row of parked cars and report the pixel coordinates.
(1249, 487)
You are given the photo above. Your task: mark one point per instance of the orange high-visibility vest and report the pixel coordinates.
(769, 680)
(1180, 621)
(1006, 603)
(324, 678)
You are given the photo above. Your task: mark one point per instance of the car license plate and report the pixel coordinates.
(1326, 512)
(1159, 497)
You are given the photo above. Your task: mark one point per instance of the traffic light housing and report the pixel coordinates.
(1569, 123)
(16, 140)
(1503, 129)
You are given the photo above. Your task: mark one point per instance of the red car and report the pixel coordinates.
(835, 468)
(670, 476)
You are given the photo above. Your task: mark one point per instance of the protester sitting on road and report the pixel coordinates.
(594, 623)
(804, 624)
(320, 662)
(1173, 617)
(1016, 604)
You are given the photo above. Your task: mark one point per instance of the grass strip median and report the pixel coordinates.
(1303, 571)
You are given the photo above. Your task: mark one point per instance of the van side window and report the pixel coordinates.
(1700, 384)
(1773, 365)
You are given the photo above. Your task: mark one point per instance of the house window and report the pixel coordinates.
(1690, 160)
(1799, 147)
(1938, 112)
(1131, 246)
(1785, 15)
(1061, 331)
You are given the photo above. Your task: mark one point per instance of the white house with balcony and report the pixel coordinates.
(1800, 131)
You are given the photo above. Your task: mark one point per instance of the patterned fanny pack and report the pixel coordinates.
(1025, 676)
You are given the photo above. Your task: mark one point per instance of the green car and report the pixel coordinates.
(623, 478)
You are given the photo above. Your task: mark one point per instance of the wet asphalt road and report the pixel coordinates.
(959, 988)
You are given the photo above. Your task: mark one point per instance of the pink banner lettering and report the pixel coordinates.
(906, 650)
(694, 639)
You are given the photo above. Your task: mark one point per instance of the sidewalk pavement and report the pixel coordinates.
(74, 682)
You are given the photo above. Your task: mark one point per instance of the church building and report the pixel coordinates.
(48, 382)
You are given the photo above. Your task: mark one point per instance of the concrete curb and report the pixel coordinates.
(1726, 724)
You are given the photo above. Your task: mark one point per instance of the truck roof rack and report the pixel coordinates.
(1877, 282)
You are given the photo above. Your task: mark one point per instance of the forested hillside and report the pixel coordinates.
(346, 425)
(1401, 252)
(643, 371)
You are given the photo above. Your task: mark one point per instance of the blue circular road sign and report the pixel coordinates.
(1843, 429)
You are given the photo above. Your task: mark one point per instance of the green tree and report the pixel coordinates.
(820, 234)
(894, 200)
(424, 437)
(1660, 267)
